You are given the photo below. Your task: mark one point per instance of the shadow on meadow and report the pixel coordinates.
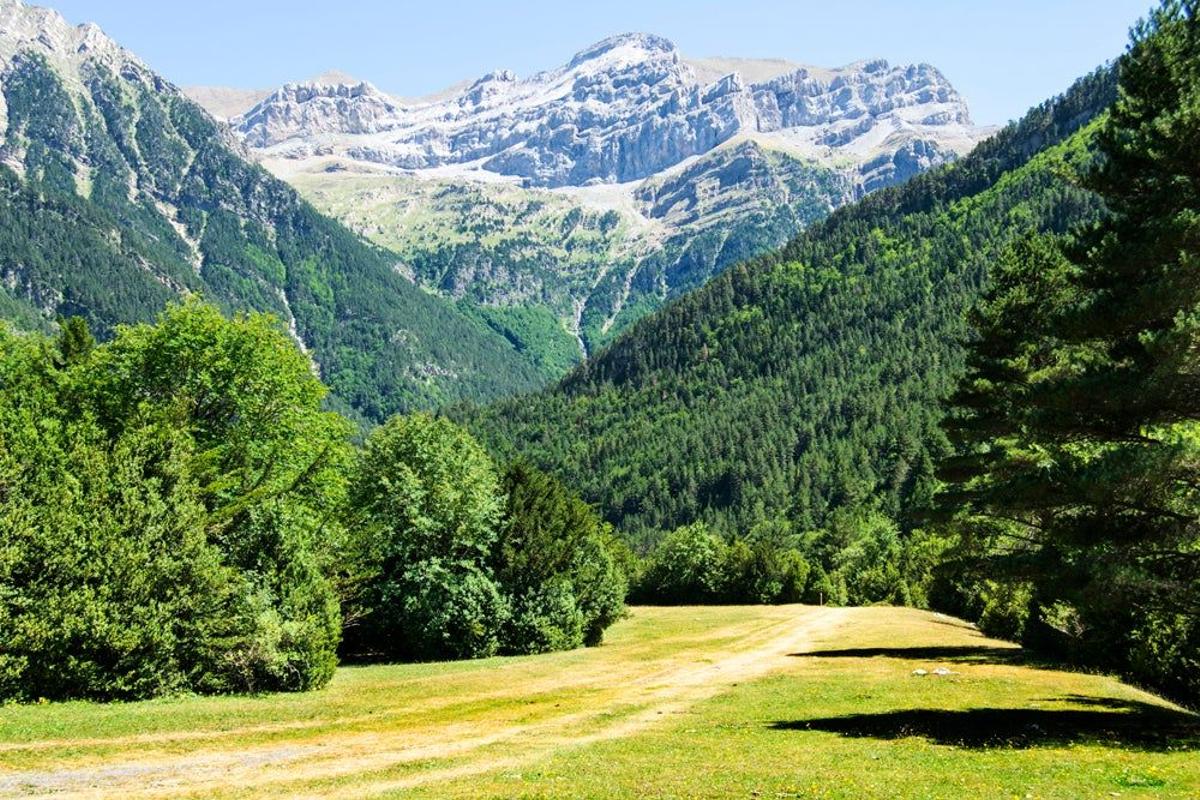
(966, 654)
(1115, 723)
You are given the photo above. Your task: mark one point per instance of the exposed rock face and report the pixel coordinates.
(598, 190)
(29, 28)
(621, 110)
(737, 180)
(315, 109)
(911, 158)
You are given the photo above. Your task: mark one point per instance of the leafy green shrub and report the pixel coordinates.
(860, 558)
(426, 510)
(694, 565)
(689, 566)
(764, 572)
(106, 579)
(459, 564)
(556, 560)
(1004, 609)
(1164, 651)
(545, 619)
(863, 558)
(441, 610)
(168, 511)
(826, 589)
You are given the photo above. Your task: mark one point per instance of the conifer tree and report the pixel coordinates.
(1079, 422)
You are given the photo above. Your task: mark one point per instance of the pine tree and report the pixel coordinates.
(1079, 422)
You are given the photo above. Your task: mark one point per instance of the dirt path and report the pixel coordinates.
(624, 697)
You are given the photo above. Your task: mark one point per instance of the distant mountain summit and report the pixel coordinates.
(564, 205)
(623, 109)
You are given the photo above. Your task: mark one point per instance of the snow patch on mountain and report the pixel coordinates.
(622, 110)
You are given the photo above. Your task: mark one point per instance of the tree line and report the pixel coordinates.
(180, 512)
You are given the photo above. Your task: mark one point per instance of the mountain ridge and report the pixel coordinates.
(588, 194)
(119, 194)
(591, 119)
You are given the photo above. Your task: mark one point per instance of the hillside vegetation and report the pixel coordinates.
(811, 379)
(560, 274)
(126, 195)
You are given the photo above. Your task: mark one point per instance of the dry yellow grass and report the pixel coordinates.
(682, 702)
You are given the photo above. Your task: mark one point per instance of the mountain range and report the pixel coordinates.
(467, 246)
(563, 206)
(118, 194)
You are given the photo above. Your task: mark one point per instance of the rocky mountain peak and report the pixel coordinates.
(25, 28)
(623, 109)
(627, 48)
(318, 108)
(41, 46)
(497, 76)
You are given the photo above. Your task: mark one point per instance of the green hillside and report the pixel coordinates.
(809, 379)
(562, 273)
(117, 194)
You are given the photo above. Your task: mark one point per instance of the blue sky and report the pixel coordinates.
(1004, 56)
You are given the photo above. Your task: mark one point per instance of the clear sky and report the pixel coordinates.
(1002, 55)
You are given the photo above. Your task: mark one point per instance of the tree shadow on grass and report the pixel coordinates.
(1115, 723)
(966, 654)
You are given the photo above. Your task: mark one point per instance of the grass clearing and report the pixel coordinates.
(681, 702)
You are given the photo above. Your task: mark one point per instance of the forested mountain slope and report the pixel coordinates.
(811, 378)
(118, 194)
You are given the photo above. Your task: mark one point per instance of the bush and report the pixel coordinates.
(459, 564)
(689, 566)
(1165, 652)
(825, 589)
(545, 619)
(556, 560)
(693, 565)
(445, 611)
(426, 508)
(108, 584)
(1004, 609)
(862, 558)
(764, 572)
(168, 507)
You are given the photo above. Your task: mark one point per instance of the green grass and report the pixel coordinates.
(680, 703)
(861, 726)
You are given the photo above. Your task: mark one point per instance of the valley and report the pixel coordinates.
(640, 426)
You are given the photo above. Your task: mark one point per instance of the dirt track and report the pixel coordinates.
(625, 696)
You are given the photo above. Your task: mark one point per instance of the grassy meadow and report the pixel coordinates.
(788, 701)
